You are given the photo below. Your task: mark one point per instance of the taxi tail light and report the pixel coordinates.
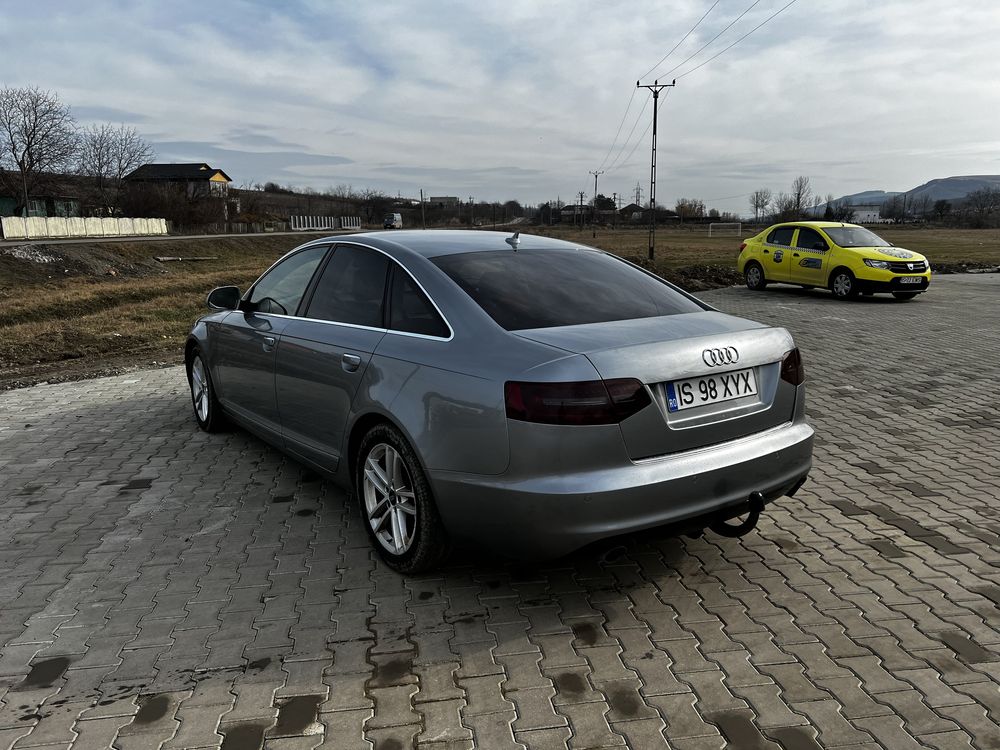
(590, 402)
(743, 246)
(792, 370)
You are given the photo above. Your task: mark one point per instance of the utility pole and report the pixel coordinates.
(471, 213)
(614, 198)
(655, 87)
(582, 194)
(593, 215)
(638, 195)
(423, 218)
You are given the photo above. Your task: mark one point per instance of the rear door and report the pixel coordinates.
(810, 258)
(775, 253)
(323, 355)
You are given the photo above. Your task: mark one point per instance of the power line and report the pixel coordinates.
(674, 48)
(710, 41)
(777, 12)
(631, 98)
(628, 138)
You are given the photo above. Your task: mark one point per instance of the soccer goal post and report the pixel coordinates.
(725, 229)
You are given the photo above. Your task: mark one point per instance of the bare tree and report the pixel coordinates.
(801, 195)
(37, 136)
(107, 154)
(984, 201)
(759, 201)
(784, 207)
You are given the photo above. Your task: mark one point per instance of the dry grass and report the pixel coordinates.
(49, 323)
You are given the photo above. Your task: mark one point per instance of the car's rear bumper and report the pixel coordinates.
(547, 516)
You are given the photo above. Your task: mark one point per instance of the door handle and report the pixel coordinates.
(350, 362)
(268, 344)
(795, 255)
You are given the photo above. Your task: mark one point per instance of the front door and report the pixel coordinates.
(809, 258)
(245, 344)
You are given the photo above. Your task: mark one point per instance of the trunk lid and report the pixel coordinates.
(665, 350)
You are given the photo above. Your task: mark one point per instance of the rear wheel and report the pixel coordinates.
(754, 276)
(396, 503)
(905, 296)
(206, 406)
(842, 284)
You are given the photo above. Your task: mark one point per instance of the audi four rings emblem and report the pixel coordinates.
(718, 357)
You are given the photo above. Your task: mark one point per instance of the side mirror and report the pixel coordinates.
(224, 298)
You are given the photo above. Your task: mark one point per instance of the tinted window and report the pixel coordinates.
(352, 287)
(546, 288)
(810, 239)
(410, 310)
(856, 237)
(781, 236)
(280, 290)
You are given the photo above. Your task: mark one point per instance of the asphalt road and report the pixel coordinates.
(162, 587)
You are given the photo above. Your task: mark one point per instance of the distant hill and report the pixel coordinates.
(943, 188)
(867, 198)
(953, 188)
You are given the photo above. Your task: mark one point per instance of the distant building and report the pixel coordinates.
(196, 179)
(444, 201)
(869, 214)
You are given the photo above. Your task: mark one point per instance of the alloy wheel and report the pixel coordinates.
(842, 285)
(390, 502)
(199, 389)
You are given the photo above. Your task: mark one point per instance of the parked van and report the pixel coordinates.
(392, 221)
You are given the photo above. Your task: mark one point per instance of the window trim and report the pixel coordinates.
(310, 289)
(824, 240)
(245, 299)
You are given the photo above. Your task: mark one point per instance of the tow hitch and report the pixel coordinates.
(756, 505)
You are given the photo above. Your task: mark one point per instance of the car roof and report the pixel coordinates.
(431, 243)
(816, 224)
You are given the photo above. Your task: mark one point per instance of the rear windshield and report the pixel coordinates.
(549, 288)
(855, 237)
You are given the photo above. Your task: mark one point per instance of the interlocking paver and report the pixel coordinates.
(171, 569)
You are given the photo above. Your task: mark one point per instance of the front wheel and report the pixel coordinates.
(843, 285)
(206, 406)
(754, 276)
(396, 503)
(905, 296)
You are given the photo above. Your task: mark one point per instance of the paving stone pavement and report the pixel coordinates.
(164, 588)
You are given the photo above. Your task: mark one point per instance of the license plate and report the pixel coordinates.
(910, 279)
(710, 389)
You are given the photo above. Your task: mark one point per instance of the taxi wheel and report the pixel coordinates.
(754, 276)
(842, 284)
(904, 296)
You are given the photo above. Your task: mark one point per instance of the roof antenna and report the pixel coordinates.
(513, 241)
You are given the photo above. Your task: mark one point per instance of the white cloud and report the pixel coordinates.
(521, 99)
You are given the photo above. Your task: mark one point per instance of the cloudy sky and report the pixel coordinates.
(521, 99)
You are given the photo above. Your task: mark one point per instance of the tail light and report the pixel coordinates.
(742, 246)
(792, 370)
(590, 402)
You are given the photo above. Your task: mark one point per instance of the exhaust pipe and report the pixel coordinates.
(756, 507)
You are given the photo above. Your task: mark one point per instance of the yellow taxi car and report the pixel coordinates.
(845, 258)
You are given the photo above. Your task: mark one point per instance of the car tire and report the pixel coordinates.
(753, 274)
(905, 296)
(207, 410)
(396, 503)
(842, 284)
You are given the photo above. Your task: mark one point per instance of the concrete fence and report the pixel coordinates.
(52, 227)
(312, 223)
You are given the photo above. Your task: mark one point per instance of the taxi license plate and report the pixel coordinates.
(710, 389)
(910, 279)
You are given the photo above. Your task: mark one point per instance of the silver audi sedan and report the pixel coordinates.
(519, 392)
